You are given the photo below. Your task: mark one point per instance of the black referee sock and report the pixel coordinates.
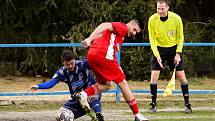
(184, 88)
(153, 89)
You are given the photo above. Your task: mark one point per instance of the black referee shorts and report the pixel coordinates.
(167, 55)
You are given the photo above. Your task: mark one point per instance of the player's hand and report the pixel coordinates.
(86, 42)
(33, 88)
(159, 61)
(177, 59)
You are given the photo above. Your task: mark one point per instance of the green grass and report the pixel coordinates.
(195, 83)
(123, 111)
(181, 116)
(173, 102)
(178, 116)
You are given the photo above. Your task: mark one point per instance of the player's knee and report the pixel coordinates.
(154, 76)
(108, 85)
(65, 114)
(105, 86)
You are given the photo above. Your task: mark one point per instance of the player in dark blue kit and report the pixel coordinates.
(76, 74)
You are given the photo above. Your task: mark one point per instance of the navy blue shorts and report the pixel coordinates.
(167, 56)
(76, 108)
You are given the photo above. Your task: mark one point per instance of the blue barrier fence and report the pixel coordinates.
(109, 91)
(117, 90)
(79, 45)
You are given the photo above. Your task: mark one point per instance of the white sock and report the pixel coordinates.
(84, 93)
(138, 115)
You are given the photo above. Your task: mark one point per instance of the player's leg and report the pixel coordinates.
(185, 90)
(180, 74)
(153, 90)
(103, 84)
(100, 68)
(155, 72)
(70, 111)
(97, 88)
(129, 98)
(95, 103)
(100, 86)
(92, 90)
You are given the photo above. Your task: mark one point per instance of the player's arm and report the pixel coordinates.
(97, 32)
(49, 84)
(152, 39)
(180, 41)
(180, 36)
(46, 85)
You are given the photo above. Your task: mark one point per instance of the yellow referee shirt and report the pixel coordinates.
(165, 34)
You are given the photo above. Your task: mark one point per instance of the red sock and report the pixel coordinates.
(92, 90)
(134, 106)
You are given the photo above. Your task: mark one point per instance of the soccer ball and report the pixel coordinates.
(65, 115)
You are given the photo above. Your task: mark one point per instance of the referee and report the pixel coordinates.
(166, 40)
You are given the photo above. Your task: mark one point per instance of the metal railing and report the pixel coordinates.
(117, 90)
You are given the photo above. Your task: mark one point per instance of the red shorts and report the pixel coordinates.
(104, 69)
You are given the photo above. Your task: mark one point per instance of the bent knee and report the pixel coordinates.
(105, 86)
(109, 85)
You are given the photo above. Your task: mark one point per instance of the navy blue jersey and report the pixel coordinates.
(77, 80)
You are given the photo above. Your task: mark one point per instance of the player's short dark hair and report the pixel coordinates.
(67, 55)
(163, 1)
(139, 23)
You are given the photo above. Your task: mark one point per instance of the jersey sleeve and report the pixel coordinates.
(49, 84)
(58, 76)
(180, 36)
(85, 64)
(120, 28)
(152, 38)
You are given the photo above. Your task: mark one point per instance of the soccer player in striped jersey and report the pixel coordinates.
(78, 76)
(166, 40)
(102, 60)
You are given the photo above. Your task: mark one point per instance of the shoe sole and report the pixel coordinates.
(141, 120)
(85, 106)
(152, 111)
(144, 120)
(188, 112)
(87, 109)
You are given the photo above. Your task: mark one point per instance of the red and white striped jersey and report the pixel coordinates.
(105, 44)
